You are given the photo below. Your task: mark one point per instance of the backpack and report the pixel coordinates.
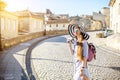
(91, 52)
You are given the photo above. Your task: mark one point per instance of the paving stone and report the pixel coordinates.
(52, 61)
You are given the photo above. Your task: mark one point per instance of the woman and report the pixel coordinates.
(80, 54)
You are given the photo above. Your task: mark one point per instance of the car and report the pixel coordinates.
(108, 32)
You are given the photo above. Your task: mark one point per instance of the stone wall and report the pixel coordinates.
(56, 32)
(7, 43)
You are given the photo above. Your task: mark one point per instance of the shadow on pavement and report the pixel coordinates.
(10, 67)
(57, 39)
(114, 68)
(52, 60)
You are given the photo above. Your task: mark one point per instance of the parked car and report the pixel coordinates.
(108, 32)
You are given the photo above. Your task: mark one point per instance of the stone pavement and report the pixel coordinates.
(51, 60)
(115, 39)
(12, 61)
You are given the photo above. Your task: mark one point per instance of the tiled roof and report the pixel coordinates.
(11, 13)
(64, 15)
(58, 21)
(24, 13)
(38, 15)
(27, 13)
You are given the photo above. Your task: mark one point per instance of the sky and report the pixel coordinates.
(71, 7)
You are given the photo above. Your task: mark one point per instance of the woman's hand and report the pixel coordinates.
(70, 45)
(82, 72)
(69, 40)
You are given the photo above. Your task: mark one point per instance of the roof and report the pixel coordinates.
(38, 15)
(24, 13)
(57, 21)
(27, 13)
(111, 3)
(11, 13)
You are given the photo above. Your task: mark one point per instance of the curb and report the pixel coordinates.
(29, 67)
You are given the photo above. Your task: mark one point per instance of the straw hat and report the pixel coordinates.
(71, 29)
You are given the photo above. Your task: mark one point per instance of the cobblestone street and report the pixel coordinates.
(51, 60)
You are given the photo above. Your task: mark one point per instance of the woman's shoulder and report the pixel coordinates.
(85, 42)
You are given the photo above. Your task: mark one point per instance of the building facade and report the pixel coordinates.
(55, 22)
(99, 17)
(54, 25)
(30, 21)
(106, 11)
(96, 25)
(115, 15)
(8, 23)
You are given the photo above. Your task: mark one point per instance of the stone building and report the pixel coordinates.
(115, 15)
(8, 23)
(30, 22)
(55, 22)
(103, 16)
(60, 24)
(106, 11)
(114, 40)
(96, 25)
(99, 17)
(88, 22)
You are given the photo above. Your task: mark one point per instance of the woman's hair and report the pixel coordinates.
(80, 48)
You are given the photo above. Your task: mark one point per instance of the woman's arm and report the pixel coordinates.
(70, 46)
(85, 53)
(84, 63)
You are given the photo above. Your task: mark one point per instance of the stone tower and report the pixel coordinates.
(106, 11)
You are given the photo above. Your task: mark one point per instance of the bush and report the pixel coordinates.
(100, 35)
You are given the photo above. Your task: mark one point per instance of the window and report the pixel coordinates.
(14, 25)
(56, 25)
(63, 25)
(40, 24)
(34, 24)
(8, 27)
(119, 9)
(116, 27)
(2, 24)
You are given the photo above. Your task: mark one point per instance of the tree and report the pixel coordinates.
(2, 5)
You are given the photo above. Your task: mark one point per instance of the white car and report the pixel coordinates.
(108, 32)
